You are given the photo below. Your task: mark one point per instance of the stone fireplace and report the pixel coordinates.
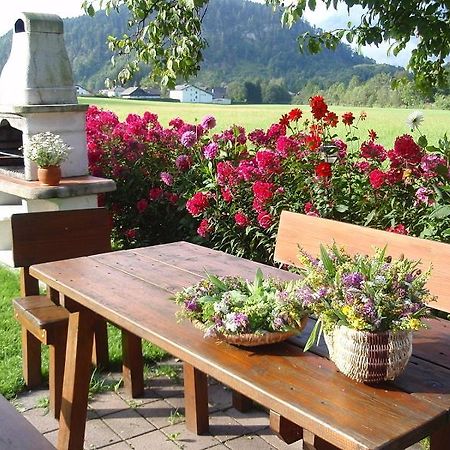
(37, 94)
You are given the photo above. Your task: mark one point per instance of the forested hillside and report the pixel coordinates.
(246, 41)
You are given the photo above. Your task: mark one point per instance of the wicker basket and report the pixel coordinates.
(369, 357)
(254, 339)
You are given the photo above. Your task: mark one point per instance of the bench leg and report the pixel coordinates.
(133, 365)
(313, 442)
(100, 356)
(195, 399)
(241, 402)
(57, 360)
(286, 430)
(31, 359)
(72, 421)
(440, 439)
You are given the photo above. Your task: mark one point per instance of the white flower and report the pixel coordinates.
(414, 120)
(47, 149)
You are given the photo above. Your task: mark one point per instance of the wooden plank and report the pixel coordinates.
(16, 433)
(100, 355)
(241, 402)
(195, 399)
(309, 232)
(72, 420)
(440, 439)
(31, 359)
(57, 359)
(304, 387)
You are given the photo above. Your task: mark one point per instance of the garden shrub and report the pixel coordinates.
(227, 189)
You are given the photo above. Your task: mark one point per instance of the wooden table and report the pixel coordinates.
(132, 289)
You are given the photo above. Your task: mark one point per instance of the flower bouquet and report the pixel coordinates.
(367, 307)
(244, 313)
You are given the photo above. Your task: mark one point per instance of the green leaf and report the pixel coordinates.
(441, 212)
(370, 218)
(341, 208)
(422, 141)
(314, 336)
(327, 262)
(216, 282)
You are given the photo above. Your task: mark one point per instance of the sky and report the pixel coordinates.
(321, 17)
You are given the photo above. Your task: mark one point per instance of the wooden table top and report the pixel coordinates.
(133, 288)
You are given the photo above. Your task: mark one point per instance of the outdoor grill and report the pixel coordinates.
(37, 94)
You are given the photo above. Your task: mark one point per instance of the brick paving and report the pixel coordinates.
(156, 421)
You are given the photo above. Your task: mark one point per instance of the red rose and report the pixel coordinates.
(197, 204)
(377, 178)
(141, 205)
(263, 191)
(323, 170)
(241, 219)
(318, 107)
(348, 118)
(155, 193)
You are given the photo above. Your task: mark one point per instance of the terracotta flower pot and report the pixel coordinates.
(49, 176)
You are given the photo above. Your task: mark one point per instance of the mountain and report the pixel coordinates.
(246, 41)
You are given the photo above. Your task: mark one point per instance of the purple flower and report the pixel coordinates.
(305, 296)
(208, 122)
(430, 162)
(191, 305)
(278, 323)
(166, 178)
(183, 163)
(423, 196)
(353, 279)
(210, 150)
(188, 138)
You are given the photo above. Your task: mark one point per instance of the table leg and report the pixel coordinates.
(313, 442)
(286, 430)
(440, 439)
(241, 402)
(77, 374)
(133, 364)
(195, 399)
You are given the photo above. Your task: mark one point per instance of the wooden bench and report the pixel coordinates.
(310, 232)
(51, 236)
(16, 433)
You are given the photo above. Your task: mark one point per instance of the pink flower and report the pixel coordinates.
(130, 234)
(405, 152)
(423, 195)
(286, 145)
(363, 166)
(208, 122)
(210, 150)
(310, 210)
(429, 164)
(263, 191)
(264, 219)
(155, 193)
(226, 174)
(183, 163)
(377, 178)
(188, 138)
(197, 204)
(241, 219)
(268, 161)
(166, 178)
(399, 229)
(142, 205)
(226, 195)
(203, 229)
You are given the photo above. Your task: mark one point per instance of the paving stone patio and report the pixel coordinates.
(116, 422)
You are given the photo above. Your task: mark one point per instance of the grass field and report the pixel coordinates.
(387, 122)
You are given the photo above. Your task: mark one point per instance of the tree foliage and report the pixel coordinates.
(167, 35)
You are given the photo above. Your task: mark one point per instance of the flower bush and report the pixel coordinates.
(226, 189)
(233, 306)
(365, 293)
(47, 149)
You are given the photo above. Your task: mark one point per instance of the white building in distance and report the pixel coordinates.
(188, 93)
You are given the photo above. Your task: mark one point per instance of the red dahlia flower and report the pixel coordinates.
(377, 178)
(318, 107)
(197, 204)
(241, 219)
(348, 118)
(295, 114)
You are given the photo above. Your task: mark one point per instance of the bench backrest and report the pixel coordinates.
(54, 235)
(309, 232)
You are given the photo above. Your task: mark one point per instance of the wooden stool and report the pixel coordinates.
(47, 322)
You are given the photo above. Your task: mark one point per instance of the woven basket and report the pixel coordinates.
(254, 339)
(369, 357)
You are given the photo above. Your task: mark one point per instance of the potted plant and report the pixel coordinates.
(241, 312)
(367, 307)
(48, 151)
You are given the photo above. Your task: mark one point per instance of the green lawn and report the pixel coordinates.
(11, 380)
(387, 122)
